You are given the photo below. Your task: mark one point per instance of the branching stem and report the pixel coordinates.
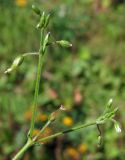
(66, 131)
(42, 130)
(32, 142)
(23, 149)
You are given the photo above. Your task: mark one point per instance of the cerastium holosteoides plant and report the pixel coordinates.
(108, 114)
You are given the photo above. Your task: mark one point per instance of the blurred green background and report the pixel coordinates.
(82, 78)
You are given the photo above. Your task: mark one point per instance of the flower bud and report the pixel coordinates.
(55, 115)
(47, 20)
(16, 63)
(99, 141)
(46, 40)
(42, 22)
(109, 106)
(117, 127)
(110, 103)
(36, 10)
(9, 70)
(64, 43)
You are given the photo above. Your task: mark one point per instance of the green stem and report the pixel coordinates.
(31, 53)
(42, 130)
(21, 152)
(37, 85)
(66, 131)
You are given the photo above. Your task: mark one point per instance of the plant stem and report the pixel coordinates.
(31, 53)
(32, 142)
(41, 53)
(21, 152)
(66, 131)
(42, 130)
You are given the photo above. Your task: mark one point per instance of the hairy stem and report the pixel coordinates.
(34, 108)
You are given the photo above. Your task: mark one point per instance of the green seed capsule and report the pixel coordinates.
(16, 63)
(42, 21)
(46, 40)
(99, 141)
(47, 20)
(64, 43)
(117, 126)
(36, 10)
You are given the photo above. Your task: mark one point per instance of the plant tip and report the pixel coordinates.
(62, 108)
(117, 127)
(8, 71)
(36, 10)
(64, 43)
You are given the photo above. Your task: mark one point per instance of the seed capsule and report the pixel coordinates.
(42, 22)
(16, 63)
(64, 43)
(117, 127)
(46, 40)
(99, 141)
(54, 115)
(36, 10)
(110, 103)
(47, 20)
